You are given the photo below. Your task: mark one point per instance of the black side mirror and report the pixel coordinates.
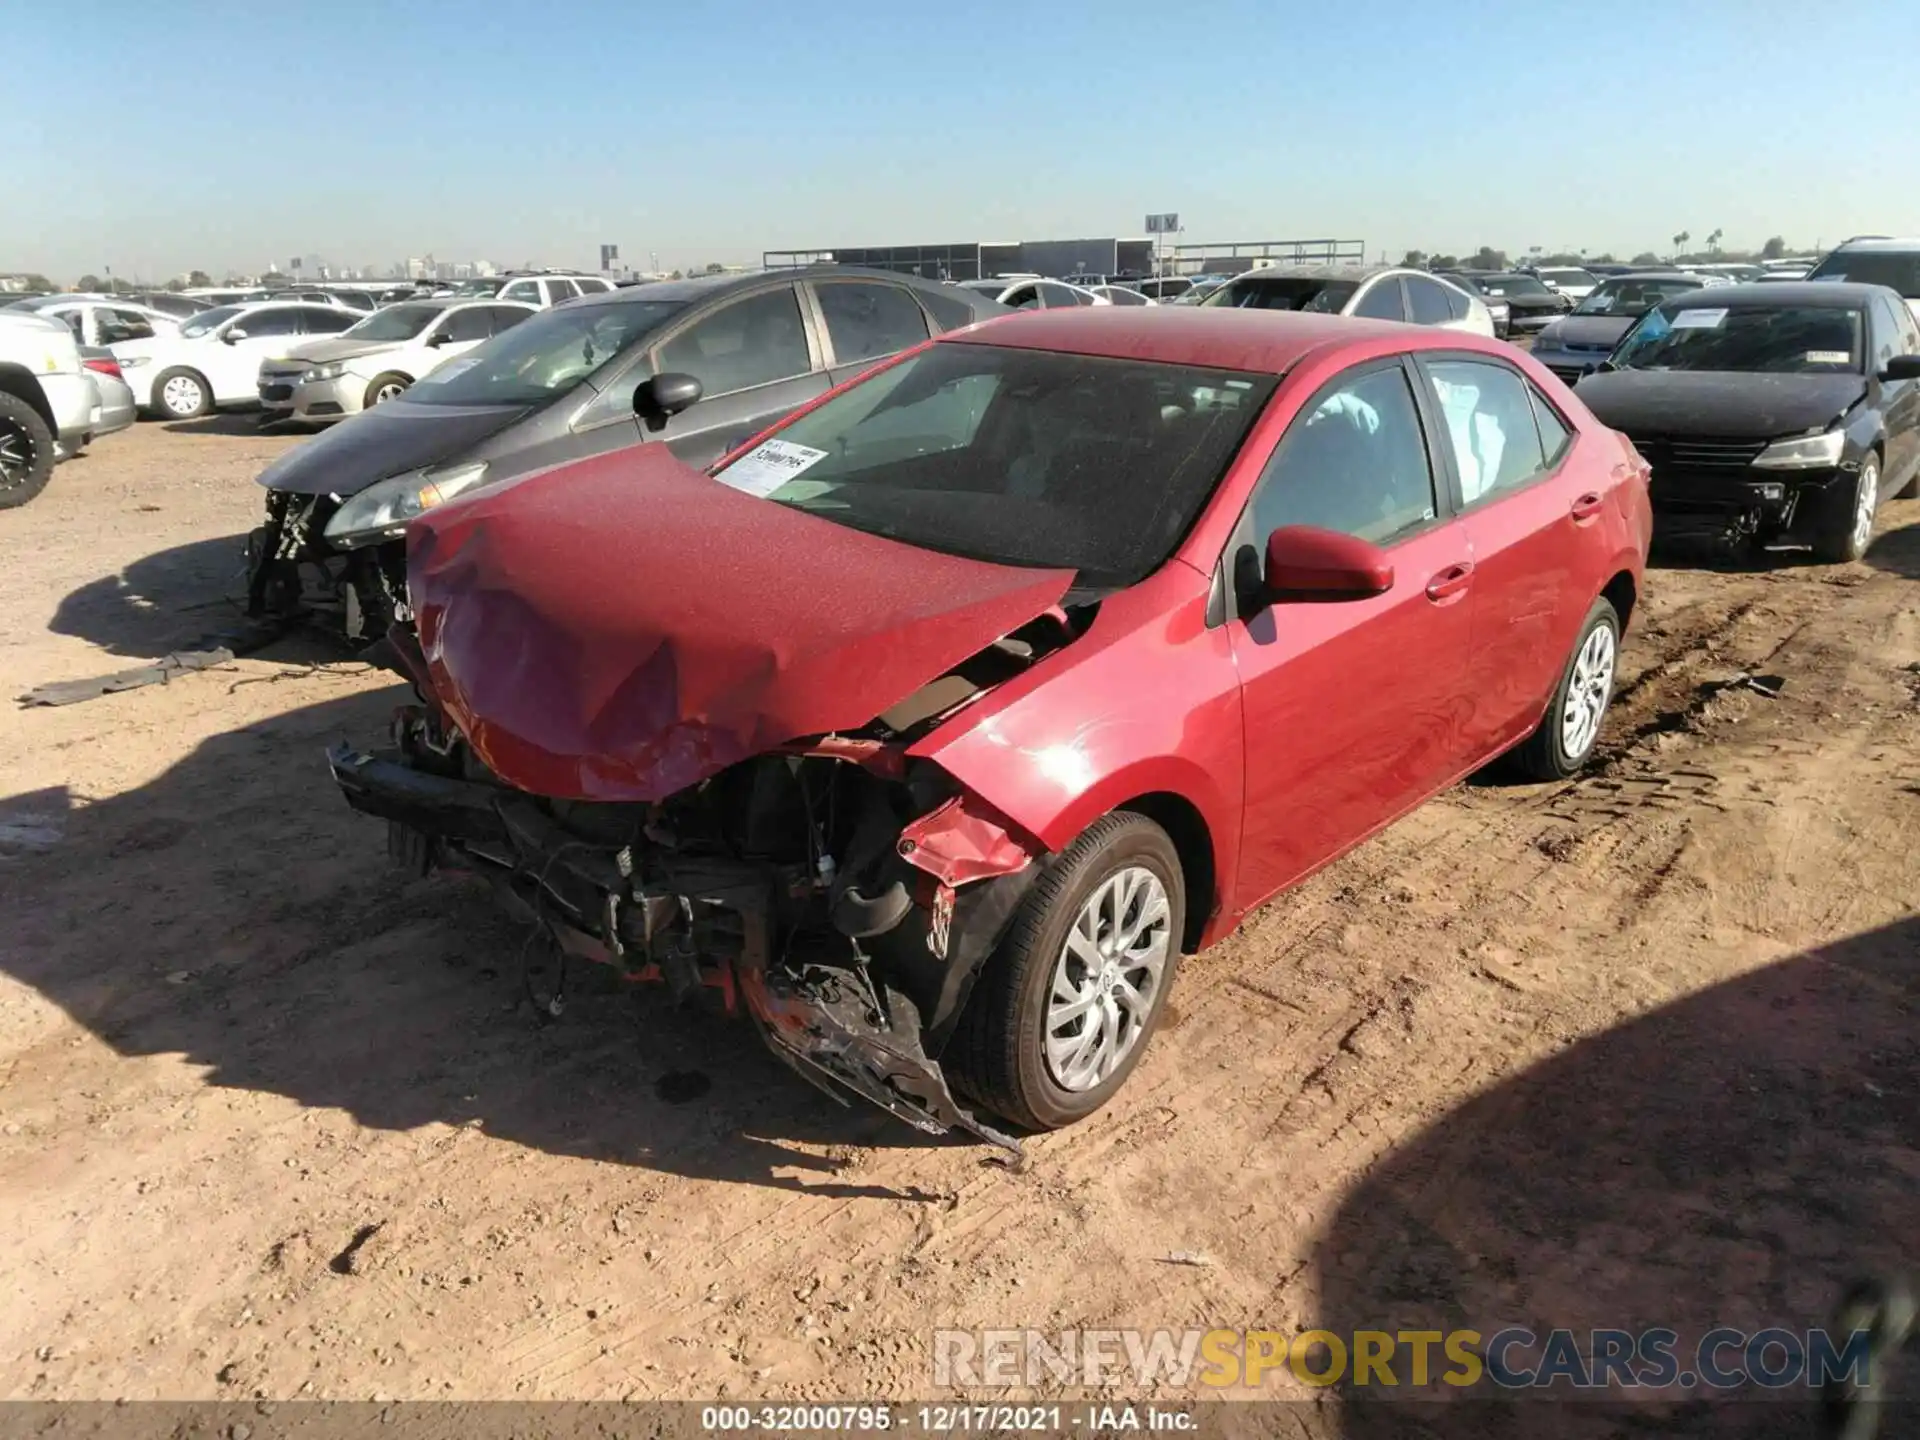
(1902, 367)
(659, 398)
(234, 336)
(438, 338)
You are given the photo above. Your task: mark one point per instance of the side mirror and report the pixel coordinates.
(233, 335)
(1305, 562)
(659, 398)
(1902, 367)
(438, 338)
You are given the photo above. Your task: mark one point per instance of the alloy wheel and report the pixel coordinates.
(1107, 977)
(1588, 690)
(1866, 500)
(16, 457)
(389, 391)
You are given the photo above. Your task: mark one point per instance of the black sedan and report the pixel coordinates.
(698, 365)
(1771, 412)
(1531, 306)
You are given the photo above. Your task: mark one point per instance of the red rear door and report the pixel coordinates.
(1532, 501)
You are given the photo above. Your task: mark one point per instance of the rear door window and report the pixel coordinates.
(1491, 425)
(527, 290)
(320, 320)
(948, 312)
(1057, 297)
(1382, 301)
(505, 317)
(749, 342)
(866, 321)
(463, 325)
(558, 290)
(1427, 301)
(270, 324)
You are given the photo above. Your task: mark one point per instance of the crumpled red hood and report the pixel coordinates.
(622, 628)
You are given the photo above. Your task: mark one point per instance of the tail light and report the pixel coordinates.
(105, 365)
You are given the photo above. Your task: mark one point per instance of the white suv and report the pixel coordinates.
(47, 403)
(378, 358)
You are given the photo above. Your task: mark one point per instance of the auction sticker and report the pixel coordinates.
(1829, 357)
(768, 466)
(1698, 319)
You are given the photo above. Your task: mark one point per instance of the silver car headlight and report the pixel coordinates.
(324, 372)
(381, 512)
(1809, 452)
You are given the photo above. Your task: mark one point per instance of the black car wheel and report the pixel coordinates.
(26, 452)
(1063, 1010)
(1846, 518)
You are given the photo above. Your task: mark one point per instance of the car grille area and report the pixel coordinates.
(1696, 452)
(276, 392)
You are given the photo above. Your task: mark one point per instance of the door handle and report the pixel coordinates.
(1450, 582)
(1586, 507)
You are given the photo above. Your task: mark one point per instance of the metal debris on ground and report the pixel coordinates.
(213, 652)
(1196, 1258)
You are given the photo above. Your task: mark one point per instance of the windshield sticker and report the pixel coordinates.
(767, 467)
(1698, 319)
(440, 374)
(1829, 357)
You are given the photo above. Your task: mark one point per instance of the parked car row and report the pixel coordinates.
(56, 398)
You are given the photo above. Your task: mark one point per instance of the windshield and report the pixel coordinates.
(209, 320)
(543, 356)
(478, 287)
(396, 322)
(1568, 277)
(1511, 285)
(1791, 340)
(1021, 457)
(1893, 269)
(1633, 297)
(1285, 292)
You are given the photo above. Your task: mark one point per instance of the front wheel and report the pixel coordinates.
(1846, 523)
(1571, 727)
(182, 394)
(26, 452)
(1063, 1010)
(383, 388)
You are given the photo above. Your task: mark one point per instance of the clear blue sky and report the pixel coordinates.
(218, 134)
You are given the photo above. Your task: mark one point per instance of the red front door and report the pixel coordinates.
(1353, 709)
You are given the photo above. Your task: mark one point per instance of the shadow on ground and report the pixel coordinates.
(234, 912)
(1897, 551)
(1734, 1158)
(161, 602)
(225, 422)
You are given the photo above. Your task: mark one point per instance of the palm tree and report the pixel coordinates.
(1713, 242)
(1679, 241)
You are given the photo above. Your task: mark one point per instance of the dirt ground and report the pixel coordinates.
(274, 1122)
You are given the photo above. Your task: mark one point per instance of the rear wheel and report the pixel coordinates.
(1846, 522)
(26, 452)
(1064, 1008)
(385, 387)
(1571, 727)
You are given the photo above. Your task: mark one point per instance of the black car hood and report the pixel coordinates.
(1587, 332)
(387, 440)
(1761, 407)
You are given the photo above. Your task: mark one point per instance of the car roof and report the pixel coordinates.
(1316, 272)
(1880, 242)
(1813, 294)
(1645, 275)
(1264, 342)
(702, 287)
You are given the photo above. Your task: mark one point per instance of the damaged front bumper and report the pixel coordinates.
(294, 574)
(856, 986)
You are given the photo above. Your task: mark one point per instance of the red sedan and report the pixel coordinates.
(934, 725)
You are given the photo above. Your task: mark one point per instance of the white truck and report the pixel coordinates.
(48, 403)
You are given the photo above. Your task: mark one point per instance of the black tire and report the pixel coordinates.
(1838, 537)
(1546, 754)
(26, 451)
(392, 381)
(169, 412)
(997, 1054)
